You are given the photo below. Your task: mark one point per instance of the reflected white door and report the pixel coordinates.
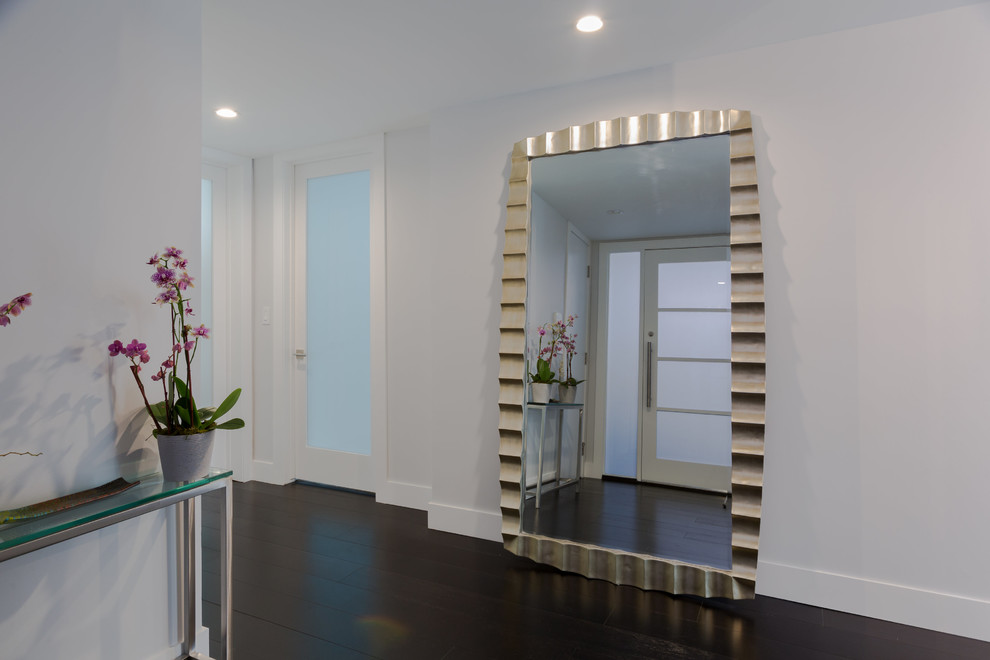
(686, 383)
(576, 305)
(332, 405)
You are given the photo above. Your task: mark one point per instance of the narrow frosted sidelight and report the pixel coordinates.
(338, 312)
(202, 296)
(622, 376)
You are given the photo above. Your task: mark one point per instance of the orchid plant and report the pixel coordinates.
(177, 413)
(13, 308)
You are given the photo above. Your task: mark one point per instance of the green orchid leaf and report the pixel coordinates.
(186, 395)
(231, 424)
(227, 404)
(158, 411)
(182, 409)
(181, 387)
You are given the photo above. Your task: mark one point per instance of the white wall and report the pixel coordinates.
(545, 297)
(872, 192)
(407, 190)
(271, 340)
(100, 127)
(548, 265)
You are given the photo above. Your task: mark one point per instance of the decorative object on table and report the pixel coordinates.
(185, 457)
(66, 501)
(177, 416)
(13, 308)
(567, 386)
(544, 376)
(539, 392)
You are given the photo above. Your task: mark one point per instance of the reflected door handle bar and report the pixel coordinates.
(649, 374)
(300, 353)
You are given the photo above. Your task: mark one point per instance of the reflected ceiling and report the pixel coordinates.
(667, 189)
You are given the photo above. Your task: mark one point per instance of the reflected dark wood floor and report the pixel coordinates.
(674, 523)
(322, 574)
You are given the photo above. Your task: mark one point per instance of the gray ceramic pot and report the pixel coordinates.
(185, 457)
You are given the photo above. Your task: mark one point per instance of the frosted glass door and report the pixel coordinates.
(687, 427)
(333, 334)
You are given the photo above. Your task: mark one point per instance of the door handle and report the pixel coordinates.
(649, 374)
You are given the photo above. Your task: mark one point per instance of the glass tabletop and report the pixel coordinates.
(151, 488)
(555, 404)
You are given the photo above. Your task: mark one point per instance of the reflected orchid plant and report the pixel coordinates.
(561, 343)
(544, 356)
(568, 345)
(177, 413)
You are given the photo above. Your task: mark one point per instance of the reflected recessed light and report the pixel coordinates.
(721, 282)
(226, 113)
(590, 24)
(614, 211)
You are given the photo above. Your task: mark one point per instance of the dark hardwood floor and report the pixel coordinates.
(320, 573)
(655, 520)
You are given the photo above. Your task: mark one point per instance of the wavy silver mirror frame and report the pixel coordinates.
(748, 358)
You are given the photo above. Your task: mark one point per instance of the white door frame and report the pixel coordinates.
(594, 465)
(286, 302)
(232, 296)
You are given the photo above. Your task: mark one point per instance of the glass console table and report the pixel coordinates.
(150, 495)
(558, 482)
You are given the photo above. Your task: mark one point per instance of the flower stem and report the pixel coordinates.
(193, 414)
(134, 370)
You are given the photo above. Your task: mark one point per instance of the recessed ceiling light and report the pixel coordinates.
(590, 24)
(614, 211)
(226, 113)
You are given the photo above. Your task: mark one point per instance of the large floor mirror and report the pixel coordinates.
(637, 239)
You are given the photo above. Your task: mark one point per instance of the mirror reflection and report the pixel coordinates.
(629, 272)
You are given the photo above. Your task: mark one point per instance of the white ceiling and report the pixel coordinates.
(307, 72)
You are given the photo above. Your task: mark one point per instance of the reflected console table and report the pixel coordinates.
(559, 408)
(150, 495)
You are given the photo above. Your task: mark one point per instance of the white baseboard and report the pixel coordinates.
(413, 496)
(467, 522)
(267, 473)
(948, 613)
(172, 652)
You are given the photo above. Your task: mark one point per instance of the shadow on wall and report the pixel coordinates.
(61, 407)
(8, 6)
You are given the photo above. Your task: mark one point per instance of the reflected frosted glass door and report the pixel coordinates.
(687, 425)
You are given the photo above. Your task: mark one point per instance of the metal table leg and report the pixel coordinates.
(226, 560)
(539, 475)
(186, 513)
